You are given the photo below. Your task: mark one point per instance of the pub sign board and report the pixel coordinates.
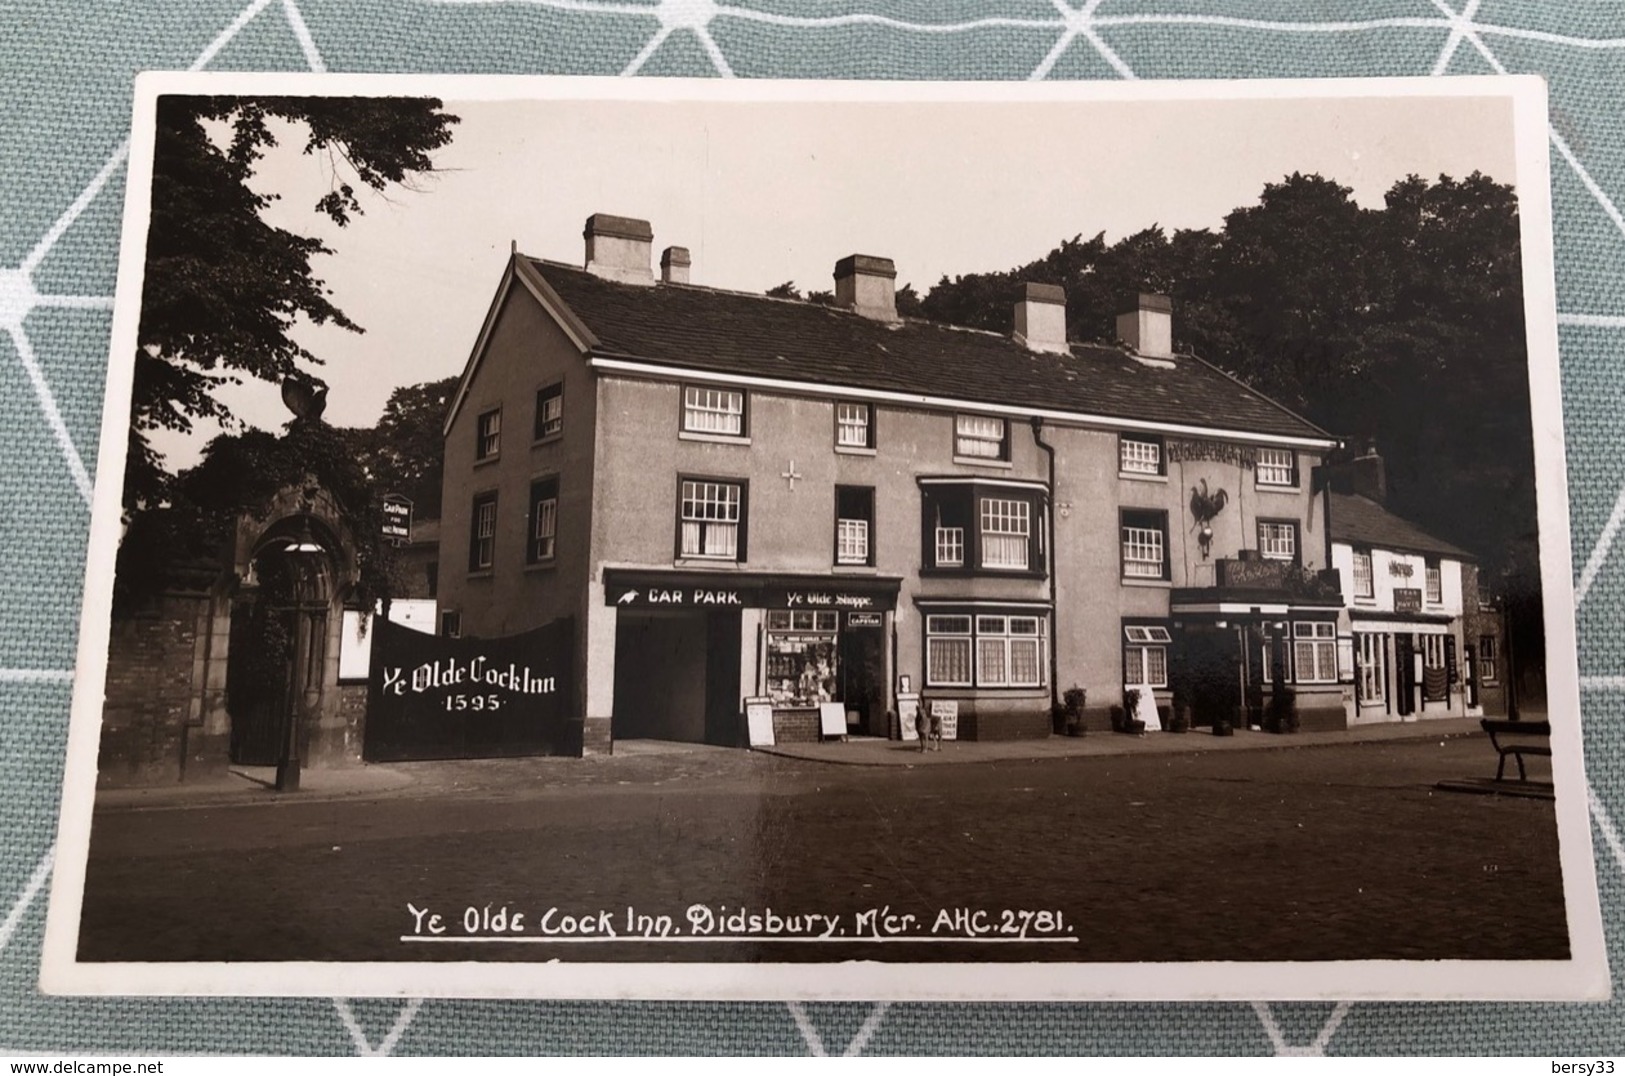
(397, 525)
(1407, 600)
(429, 696)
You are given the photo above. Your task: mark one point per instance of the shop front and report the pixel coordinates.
(1408, 667)
(692, 646)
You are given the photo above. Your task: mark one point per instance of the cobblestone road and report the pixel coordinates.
(1322, 853)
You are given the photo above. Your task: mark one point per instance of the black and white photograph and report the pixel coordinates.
(590, 538)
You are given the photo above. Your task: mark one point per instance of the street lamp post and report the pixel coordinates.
(303, 555)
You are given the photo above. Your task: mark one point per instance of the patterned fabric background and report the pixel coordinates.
(65, 83)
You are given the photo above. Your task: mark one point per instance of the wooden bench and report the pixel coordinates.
(1517, 738)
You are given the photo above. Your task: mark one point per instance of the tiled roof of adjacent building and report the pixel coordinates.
(751, 335)
(1361, 521)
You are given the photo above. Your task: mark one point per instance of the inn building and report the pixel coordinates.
(733, 496)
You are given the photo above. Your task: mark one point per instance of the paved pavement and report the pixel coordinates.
(645, 761)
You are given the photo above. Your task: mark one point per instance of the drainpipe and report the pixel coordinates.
(1055, 611)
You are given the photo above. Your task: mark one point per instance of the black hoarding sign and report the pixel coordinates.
(682, 590)
(434, 697)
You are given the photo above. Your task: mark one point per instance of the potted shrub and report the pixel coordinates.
(1179, 714)
(1222, 727)
(1118, 719)
(1131, 705)
(1072, 703)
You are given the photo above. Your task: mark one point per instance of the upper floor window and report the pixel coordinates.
(550, 411)
(981, 437)
(854, 524)
(711, 519)
(854, 425)
(1277, 467)
(712, 410)
(1278, 540)
(1006, 532)
(1139, 455)
(488, 434)
(1145, 544)
(1364, 584)
(1434, 582)
(982, 528)
(482, 534)
(544, 520)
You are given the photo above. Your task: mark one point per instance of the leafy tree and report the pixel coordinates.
(223, 288)
(405, 453)
(788, 290)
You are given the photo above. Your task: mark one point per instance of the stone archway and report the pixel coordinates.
(281, 623)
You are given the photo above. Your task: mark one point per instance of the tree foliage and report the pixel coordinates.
(405, 452)
(224, 288)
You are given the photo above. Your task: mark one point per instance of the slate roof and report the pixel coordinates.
(1361, 521)
(754, 335)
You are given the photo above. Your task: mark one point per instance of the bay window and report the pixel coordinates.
(982, 526)
(986, 650)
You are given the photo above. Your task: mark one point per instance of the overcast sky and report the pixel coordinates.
(763, 193)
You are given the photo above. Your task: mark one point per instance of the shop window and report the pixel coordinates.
(1372, 673)
(1364, 584)
(1145, 655)
(1278, 540)
(1139, 455)
(550, 411)
(544, 520)
(1433, 580)
(482, 538)
(711, 519)
(1277, 467)
(1314, 651)
(713, 411)
(854, 524)
(488, 434)
(854, 425)
(1145, 544)
(802, 657)
(981, 437)
(1486, 659)
(985, 650)
(991, 528)
(451, 624)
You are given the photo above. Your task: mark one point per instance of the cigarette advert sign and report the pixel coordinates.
(435, 697)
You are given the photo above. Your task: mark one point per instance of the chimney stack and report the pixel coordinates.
(1149, 328)
(1368, 475)
(674, 263)
(618, 248)
(867, 285)
(1041, 318)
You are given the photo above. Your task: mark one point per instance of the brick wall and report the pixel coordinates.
(795, 726)
(148, 712)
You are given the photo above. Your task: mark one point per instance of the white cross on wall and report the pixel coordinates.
(791, 476)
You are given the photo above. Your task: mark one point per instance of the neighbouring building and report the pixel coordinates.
(1420, 642)
(732, 496)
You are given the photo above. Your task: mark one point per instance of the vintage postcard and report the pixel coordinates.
(680, 539)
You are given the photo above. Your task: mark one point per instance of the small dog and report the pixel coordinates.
(928, 727)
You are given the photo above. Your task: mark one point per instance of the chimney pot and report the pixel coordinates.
(1040, 318)
(674, 264)
(1149, 328)
(618, 248)
(867, 285)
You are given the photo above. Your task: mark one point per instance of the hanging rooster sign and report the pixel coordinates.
(1204, 506)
